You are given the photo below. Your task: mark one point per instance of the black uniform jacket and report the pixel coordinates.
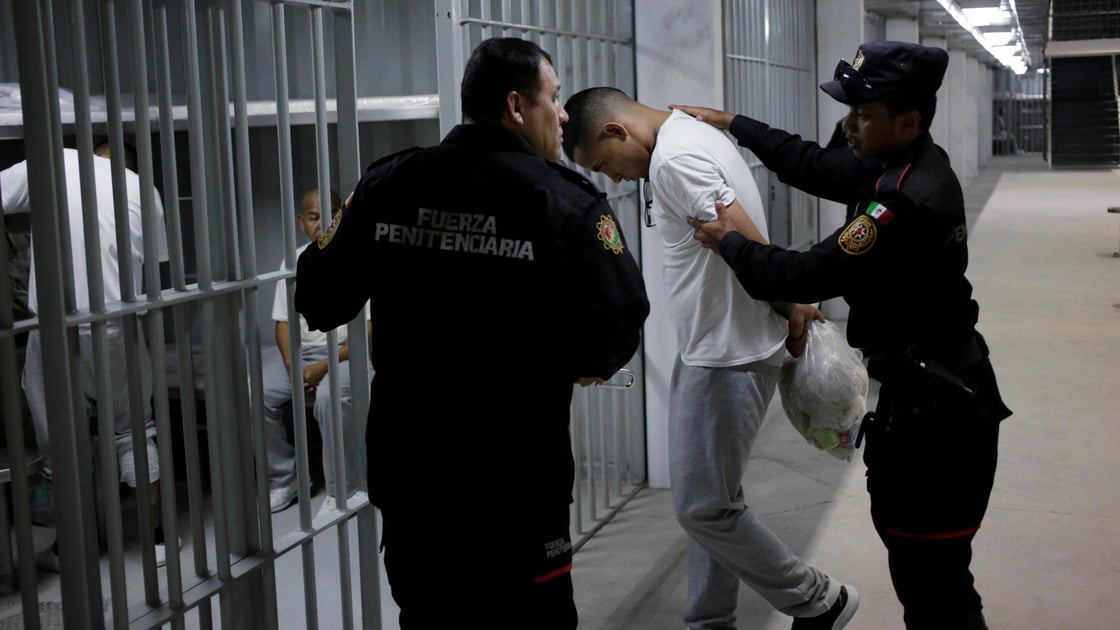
(495, 279)
(899, 261)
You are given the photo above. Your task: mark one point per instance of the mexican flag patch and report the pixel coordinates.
(880, 213)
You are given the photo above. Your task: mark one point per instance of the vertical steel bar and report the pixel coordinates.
(241, 525)
(152, 228)
(322, 154)
(199, 193)
(630, 418)
(248, 263)
(287, 212)
(369, 569)
(550, 16)
(576, 415)
(618, 420)
(601, 421)
(10, 408)
(81, 451)
(167, 145)
(592, 46)
(106, 451)
(195, 115)
(506, 17)
(322, 161)
(588, 472)
(183, 316)
(450, 46)
(79, 579)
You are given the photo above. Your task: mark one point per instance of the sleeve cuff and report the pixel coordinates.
(731, 244)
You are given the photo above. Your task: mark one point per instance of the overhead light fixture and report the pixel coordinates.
(989, 16)
(999, 38)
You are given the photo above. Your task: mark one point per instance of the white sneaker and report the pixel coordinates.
(328, 505)
(282, 497)
(161, 548)
(355, 501)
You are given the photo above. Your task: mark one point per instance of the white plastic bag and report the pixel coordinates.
(824, 391)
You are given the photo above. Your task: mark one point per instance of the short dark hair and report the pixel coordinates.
(103, 148)
(336, 200)
(899, 103)
(498, 66)
(587, 111)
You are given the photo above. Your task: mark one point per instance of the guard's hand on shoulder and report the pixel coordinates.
(714, 117)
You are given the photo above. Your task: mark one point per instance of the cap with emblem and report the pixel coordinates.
(881, 68)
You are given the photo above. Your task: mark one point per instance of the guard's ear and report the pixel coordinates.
(514, 102)
(911, 120)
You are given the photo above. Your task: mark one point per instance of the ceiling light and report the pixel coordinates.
(985, 17)
(988, 16)
(999, 38)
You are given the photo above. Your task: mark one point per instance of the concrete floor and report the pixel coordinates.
(1048, 556)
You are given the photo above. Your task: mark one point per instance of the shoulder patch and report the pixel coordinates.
(608, 233)
(327, 234)
(858, 237)
(879, 212)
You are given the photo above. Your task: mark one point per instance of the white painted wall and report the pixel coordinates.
(984, 120)
(940, 127)
(971, 145)
(679, 48)
(902, 29)
(839, 34)
(956, 89)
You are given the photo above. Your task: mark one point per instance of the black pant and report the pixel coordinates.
(470, 567)
(930, 469)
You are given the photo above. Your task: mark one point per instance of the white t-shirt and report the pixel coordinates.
(717, 323)
(307, 337)
(14, 186)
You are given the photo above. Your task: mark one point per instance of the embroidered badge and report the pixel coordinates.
(880, 213)
(327, 234)
(858, 60)
(608, 233)
(858, 237)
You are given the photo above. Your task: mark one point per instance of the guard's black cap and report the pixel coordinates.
(885, 67)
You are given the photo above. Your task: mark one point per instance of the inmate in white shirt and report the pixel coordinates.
(717, 323)
(307, 337)
(16, 192)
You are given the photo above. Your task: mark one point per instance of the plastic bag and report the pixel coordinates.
(824, 391)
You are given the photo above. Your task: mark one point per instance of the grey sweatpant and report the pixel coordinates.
(281, 452)
(714, 418)
(34, 389)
